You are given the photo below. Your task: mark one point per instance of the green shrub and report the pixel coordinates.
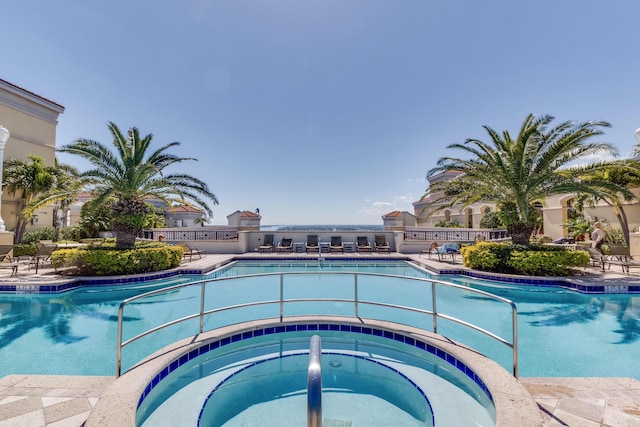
(547, 263)
(536, 260)
(101, 261)
(491, 220)
(45, 233)
(24, 250)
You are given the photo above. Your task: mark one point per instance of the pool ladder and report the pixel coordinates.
(314, 384)
(320, 263)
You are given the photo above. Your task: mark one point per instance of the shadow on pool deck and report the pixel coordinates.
(55, 401)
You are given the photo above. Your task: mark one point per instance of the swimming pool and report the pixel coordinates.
(75, 332)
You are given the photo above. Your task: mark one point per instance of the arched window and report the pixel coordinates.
(469, 217)
(447, 215)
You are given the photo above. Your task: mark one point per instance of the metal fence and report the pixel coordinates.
(441, 234)
(178, 234)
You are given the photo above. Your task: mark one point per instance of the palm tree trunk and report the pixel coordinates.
(21, 226)
(520, 233)
(624, 223)
(125, 236)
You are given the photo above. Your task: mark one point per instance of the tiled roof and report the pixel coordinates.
(184, 208)
(31, 93)
(394, 213)
(249, 214)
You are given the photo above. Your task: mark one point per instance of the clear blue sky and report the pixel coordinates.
(324, 111)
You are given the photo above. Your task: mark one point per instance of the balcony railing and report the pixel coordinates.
(442, 234)
(179, 234)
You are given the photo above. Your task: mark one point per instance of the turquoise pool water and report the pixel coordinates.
(561, 333)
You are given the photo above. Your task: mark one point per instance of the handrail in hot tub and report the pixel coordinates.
(356, 301)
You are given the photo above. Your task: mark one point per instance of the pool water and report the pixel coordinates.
(364, 381)
(561, 333)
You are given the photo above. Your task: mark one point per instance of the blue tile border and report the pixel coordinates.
(19, 288)
(320, 326)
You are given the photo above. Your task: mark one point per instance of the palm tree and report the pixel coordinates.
(33, 181)
(126, 177)
(626, 174)
(516, 173)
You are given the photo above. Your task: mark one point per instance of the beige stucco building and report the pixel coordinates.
(555, 211)
(31, 121)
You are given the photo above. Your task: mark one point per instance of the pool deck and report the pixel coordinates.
(67, 401)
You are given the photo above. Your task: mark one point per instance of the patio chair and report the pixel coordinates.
(448, 249)
(267, 245)
(336, 244)
(312, 243)
(432, 251)
(285, 245)
(363, 244)
(42, 255)
(381, 244)
(189, 252)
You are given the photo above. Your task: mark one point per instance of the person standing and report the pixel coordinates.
(597, 236)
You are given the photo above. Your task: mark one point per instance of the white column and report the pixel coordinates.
(4, 137)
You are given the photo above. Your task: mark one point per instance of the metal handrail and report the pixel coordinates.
(314, 383)
(281, 301)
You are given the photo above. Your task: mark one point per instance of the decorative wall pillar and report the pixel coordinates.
(4, 137)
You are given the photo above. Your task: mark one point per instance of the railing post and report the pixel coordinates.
(514, 342)
(355, 283)
(314, 384)
(119, 343)
(202, 308)
(433, 308)
(281, 296)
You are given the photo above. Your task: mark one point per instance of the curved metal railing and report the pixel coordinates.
(282, 302)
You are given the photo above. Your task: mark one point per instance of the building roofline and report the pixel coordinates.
(34, 96)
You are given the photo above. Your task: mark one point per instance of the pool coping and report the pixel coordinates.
(587, 284)
(118, 404)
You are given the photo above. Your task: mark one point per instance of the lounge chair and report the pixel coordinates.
(619, 252)
(285, 245)
(5, 259)
(312, 243)
(5, 250)
(620, 255)
(267, 245)
(596, 257)
(381, 244)
(189, 252)
(336, 244)
(42, 255)
(363, 244)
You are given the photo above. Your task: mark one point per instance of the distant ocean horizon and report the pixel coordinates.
(322, 227)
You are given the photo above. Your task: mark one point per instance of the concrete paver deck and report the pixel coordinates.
(66, 401)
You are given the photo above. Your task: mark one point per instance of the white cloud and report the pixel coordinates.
(374, 210)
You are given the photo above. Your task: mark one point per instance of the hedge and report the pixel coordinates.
(536, 260)
(109, 262)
